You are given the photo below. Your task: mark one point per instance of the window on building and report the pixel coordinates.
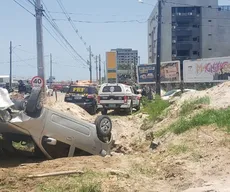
(194, 52)
(183, 38)
(196, 26)
(209, 34)
(210, 49)
(196, 39)
(183, 53)
(209, 6)
(209, 21)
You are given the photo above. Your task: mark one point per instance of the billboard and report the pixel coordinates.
(111, 65)
(170, 72)
(207, 70)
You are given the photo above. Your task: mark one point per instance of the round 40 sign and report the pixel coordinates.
(37, 82)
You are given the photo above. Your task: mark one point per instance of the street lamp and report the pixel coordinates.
(11, 50)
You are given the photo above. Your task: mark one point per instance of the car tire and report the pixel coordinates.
(93, 110)
(104, 126)
(34, 102)
(130, 110)
(138, 107)
(104, 112)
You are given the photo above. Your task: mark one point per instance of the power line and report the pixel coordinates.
(67, 42)
(104, 22)
(66, 49)
(24, 8)
(71, 23)
(2, 62)
(49, 18)
(89, 14)
(23, 60)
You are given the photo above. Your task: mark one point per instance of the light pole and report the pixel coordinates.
(11, 51)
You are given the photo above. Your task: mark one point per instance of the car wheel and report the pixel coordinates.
(93, 110)
(34, 102)
(130, 110)
(104, 126)
(138, 107)
(104, 112)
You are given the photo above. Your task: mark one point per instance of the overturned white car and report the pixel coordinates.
(52, 134)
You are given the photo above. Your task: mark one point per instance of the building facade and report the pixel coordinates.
(124, 65)
(190, 30)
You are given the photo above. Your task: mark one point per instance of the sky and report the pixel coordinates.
(18, 26)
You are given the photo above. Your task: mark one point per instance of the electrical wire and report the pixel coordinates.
(71, 23)
(67, 42)
(23, 60)
(24, 8)
(16, 61)
(49, 18)
(104, 22)
(88, 14)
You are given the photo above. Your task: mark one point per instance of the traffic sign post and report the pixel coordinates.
(37, 82)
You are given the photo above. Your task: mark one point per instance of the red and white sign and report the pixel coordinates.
(37, 82)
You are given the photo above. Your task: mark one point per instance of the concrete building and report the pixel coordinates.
(190, 30)
(126, 60)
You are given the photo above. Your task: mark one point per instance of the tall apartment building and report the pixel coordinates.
(126, 60)
(190, 30)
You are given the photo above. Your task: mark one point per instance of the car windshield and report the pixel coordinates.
(169, 92)
(112, 89)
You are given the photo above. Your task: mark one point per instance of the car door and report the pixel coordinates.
(67, 132)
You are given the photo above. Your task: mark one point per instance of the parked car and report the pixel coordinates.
(83, 96)
(175, 93)
(65, 89)
(117, 97)
(52, 133)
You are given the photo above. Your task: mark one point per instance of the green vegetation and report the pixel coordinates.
(208, 117)
(178, 149)
(220, 117)
(88, 182)
(154, 108)
(189, 106)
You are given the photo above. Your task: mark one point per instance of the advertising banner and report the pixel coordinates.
(170, 72)
(207, 70)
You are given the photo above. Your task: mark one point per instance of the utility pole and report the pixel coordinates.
(96, 69)
(100, 69)
(51, 71)
(158, 65)
(105, 72)
(40, 51)
(90, 64)
(10, 80)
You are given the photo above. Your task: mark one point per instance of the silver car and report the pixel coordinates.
(54, 134)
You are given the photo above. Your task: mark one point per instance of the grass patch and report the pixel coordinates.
(219, 117)
(155, 108)
(189, 106)
(143, 169)
(178, 149)
(88, 182)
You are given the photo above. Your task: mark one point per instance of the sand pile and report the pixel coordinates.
(69, 109)
(219, 95)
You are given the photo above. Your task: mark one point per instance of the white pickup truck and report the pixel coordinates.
(117, 97)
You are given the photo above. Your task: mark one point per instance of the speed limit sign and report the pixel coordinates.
(37, 82)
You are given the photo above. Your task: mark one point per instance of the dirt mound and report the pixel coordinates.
(69, 109)
(219, 95)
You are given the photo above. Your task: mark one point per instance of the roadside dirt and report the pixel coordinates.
(196, 161)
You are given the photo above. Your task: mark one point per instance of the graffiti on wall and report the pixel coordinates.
(207, 70)
(216, 67)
